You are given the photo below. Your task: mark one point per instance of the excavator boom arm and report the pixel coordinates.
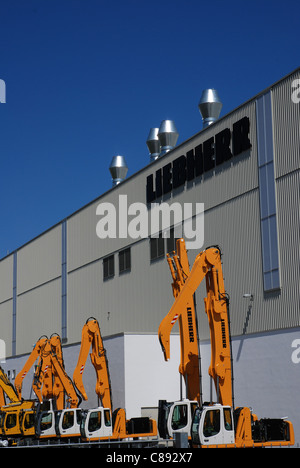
(8, 388)
(66, 382)
(91, 336)
(195, 277)
(207, 265)
(29, 363)
(189, 366)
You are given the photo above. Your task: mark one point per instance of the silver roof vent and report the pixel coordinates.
(118, 169)
(153, 144)
(209, 106)
(167, 135)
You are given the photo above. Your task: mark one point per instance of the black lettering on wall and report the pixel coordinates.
(167, 178)
(179, 172)
(240, 136)
(222, 146)
(199, 165)
(150, 194)
(204, 157)
(190, 165)
(158, 184)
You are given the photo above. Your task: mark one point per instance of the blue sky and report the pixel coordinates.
(86, 79)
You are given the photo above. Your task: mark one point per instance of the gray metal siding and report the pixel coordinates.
(288, 200)
(6, 313)
(133, 301)
(286, 115)
(38, 313)
(6, 279)
(40, 260)
(235, 228)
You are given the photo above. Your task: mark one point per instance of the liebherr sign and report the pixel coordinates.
(155, 218)
(201, 159)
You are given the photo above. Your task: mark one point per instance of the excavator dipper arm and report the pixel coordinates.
(7, 388)
(35, 353)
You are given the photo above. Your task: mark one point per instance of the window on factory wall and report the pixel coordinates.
(108, 267)
(124, 260)
(157, 247)
(267, 194)
(171, 241)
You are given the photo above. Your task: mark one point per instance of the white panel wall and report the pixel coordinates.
(148, 377)
(266, 374)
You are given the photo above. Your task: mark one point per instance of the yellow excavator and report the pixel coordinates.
(46, 381)
(70, 419)
(99, 423)
(17, 418)
(59, 395)
(27, 418)
(211, 424)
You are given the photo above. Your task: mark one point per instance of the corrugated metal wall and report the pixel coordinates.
(286, 130)
(38, 284)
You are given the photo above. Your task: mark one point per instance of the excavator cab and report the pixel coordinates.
(175, 417)
(18, 419)
(46, 420)
(96, 423)
(220, 426)
(68, 423)
(213, 425)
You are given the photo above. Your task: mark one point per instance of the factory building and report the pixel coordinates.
(235, 184)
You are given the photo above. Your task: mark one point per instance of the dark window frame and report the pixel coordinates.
(157, 247)
(108, 267)
(125, 260)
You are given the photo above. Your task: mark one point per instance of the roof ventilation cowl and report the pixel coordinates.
(209, 106)
(153, 144)
(167, 135)
(118, 169)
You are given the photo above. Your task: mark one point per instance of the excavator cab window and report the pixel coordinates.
(46, 421)
(194, 406)
(29, 420)
(195, 426)
(107, 418)
(211, 424)
(179, 417)
(94, 421)
(227, 419)
(68, 420)
(11, 420)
